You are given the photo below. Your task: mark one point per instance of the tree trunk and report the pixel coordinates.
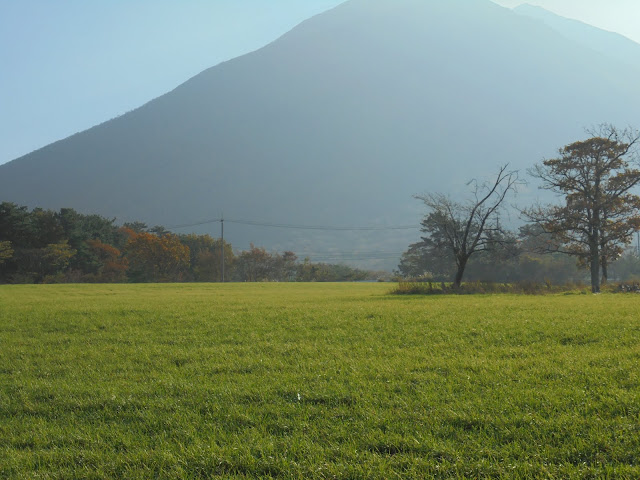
(595, 268)
(461, 266)
(605, 273)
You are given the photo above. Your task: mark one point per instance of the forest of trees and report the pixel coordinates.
(45, 246)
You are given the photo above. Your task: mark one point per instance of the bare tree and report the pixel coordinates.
(461, 229)
(599, 214)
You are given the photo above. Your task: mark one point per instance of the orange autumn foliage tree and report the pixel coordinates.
(154, 258)
(113, 266)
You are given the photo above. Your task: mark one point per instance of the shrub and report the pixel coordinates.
(526, 287)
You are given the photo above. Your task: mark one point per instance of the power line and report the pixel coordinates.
(334, 252)
(187, 225)
(298, 227)
(351, 254)
(351, 259)
(324, 227)
(326, 256)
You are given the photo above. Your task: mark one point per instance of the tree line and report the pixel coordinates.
(46, 246)
(594, 220)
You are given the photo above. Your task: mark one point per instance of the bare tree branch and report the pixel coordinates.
(462, 228)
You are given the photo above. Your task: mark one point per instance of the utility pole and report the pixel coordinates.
(222, 243)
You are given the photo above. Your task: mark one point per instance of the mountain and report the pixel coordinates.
(339, 122)
(606, 43)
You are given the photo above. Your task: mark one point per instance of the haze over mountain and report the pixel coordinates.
(339, 122)
(604, 42)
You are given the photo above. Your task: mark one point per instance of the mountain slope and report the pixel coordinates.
(339, 122)
(606, 43)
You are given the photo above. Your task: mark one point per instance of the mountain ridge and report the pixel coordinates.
(602, 41)
(337, 122)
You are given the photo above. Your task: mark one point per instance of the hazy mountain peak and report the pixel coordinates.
(339, 122)
(527, 8)
(602, 41)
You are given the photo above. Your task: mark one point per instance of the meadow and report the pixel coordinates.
(309, 381)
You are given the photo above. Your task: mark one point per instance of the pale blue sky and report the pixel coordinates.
(68, 65)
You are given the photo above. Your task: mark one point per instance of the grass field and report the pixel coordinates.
(315, 381)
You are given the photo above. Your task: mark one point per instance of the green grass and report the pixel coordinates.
(315, 381)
